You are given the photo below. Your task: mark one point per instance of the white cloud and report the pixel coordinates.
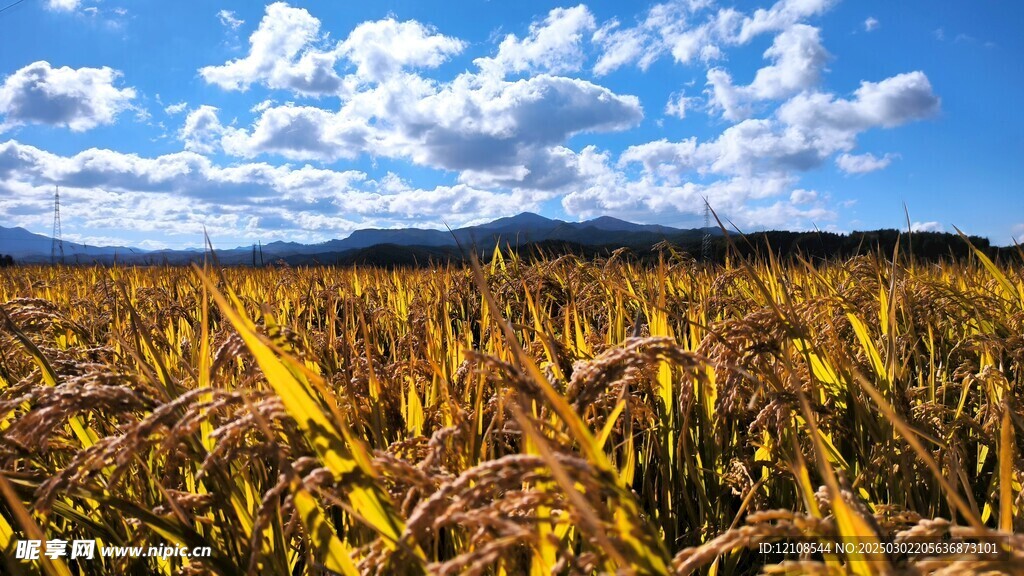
(603, 190)
(699, 42)
(781, 215)
(300, 133)
(675, 179)
(287, 51)
(492, 131)
(684, 29)
(832, 124)
(475, 122)
(621, 47)
(79, 99)
(553, 45)
(926, 227)
(261, 106)
(762, 146)
(176, 108)
(229, 19)
(812, 126)
(801, 196)
(896, 100)
(694, 30)
(756, 160)
(863, 163)
(283, 54)
(202, 130)
(667, 160)
(401, 200)
(384, 48)
(780, 16)
(871, 24)
(63, 5)
(678, 103)
(798, 58)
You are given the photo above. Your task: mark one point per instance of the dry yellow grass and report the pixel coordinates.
(557, 416)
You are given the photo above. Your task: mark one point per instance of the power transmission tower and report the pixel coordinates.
(57, 247)
(705, 245)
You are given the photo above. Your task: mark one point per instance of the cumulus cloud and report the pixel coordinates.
(744, 200)
(780, 16)
(871, 24)
(798, 58)
(668, 28)
(667, 160)
(832, 123)
(554, 45)
(690, 31)
(621, 47)
(385, 47)
(805, 130)
(474, 117)
(288, 52)
(283, 54)
(801, 196)
(490, 130)
(863, 163)
(756, 160)
(78, 99)
(299, 133)
(402, 200)
(693, 30)
(202, 130)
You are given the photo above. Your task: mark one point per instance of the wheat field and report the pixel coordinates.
(551, 416)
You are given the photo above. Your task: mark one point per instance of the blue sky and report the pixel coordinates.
(306, 120)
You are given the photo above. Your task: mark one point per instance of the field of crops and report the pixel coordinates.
(557, 416)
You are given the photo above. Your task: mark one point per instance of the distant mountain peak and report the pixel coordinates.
(607, 219)
(613, 224)
(521, 219)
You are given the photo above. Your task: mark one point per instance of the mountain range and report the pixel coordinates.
(515, 231)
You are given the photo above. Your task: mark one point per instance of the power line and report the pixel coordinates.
(9, 6)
